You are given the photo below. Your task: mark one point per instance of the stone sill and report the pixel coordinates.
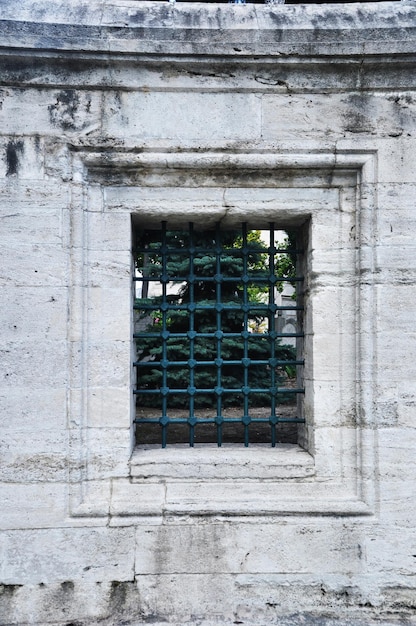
(230, 462)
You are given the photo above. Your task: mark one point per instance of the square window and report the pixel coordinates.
(219, 334)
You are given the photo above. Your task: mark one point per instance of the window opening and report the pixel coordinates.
(218, 334)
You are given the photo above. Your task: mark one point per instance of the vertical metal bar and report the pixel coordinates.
(245, 328)
(271, 324)
(300, 313)
(164, 279)
(191, 283)
(218, 296)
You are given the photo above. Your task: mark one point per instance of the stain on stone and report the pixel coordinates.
(359, 117)
(154, 619)
(403, 100)
(356, 122)
(271, 80)
(9, 590)
(63, 112)
(13, 150)
(37, 143)
(67, 586)
(69, 109)
(118, 592)
(124, 600)
(8, 602)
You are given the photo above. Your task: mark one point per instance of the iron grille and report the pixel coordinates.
(210, 353)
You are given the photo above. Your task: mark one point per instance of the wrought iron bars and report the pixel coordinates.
(209, 352)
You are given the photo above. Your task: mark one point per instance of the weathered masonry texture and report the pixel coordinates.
(121, 109)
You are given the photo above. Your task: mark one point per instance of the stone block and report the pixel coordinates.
(102, 452)
(89, 500)
(56, 603)
(184, 116)
(393, 352)
(31, 226)
(330, 449)
(407, 402)
(332, 312)
(395, 160)
(278, 203)
(42, 407)
(337, 114)
(342, 362)
(129, 499)
(40, 456)
(32, 314)
(108, 314)
(23, 154)
(328, 408)
(109, 363)
(108, 407)
(394, 215)
(67, 554)
(217, 548)
(396, 308)
(108, 231)
(147, 203)
(33, 505)
(396, 457)
(33, 266)
(328, 265)
(396, 260)
(108, 269)
(32, 196)
(40, 365)
(397, 545)
(15, 105)
(396, 501)
(52, 111)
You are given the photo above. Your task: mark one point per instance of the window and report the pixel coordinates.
(218, 329)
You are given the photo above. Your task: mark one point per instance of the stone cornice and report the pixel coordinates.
(135, 28)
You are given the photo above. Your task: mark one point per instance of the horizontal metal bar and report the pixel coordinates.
(238, 252)
(267, 279)
(224, 307)
(277, 363)
(212, 420)
(225, 335)
(213, 392)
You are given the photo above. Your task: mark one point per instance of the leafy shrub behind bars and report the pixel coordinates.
(208, 321)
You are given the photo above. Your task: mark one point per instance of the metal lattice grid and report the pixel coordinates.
(212, 356)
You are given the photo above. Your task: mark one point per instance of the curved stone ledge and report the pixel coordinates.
(159, 28)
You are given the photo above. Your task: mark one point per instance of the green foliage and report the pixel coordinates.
(195, 284)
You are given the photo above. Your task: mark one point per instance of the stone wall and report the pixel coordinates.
(121, 111)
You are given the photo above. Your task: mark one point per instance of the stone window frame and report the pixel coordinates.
(334, 473)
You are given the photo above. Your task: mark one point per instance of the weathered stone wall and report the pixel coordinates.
(121, 108)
